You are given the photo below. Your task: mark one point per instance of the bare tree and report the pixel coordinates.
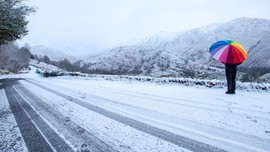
(163, 63)
(14, 59)
(45, 59)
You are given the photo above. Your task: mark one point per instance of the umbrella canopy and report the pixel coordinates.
(228, 51)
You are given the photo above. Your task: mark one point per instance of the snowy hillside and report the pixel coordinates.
(253, 34)
(184, 53)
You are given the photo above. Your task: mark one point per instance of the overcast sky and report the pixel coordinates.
(77, 24)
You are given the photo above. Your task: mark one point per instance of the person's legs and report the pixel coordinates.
(229, 77)
(231, 71)
(234, 71)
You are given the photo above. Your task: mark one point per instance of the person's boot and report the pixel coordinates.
(230, 92)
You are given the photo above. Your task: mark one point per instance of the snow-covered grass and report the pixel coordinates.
(48, 70)
(205, 113)
(248, 86)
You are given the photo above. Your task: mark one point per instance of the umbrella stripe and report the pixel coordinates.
(218, 45)
(215, 50)
(236, 57)
(219, 53)
(229, 41)
(229, 55)
(240, 56)
(238, 45)
(240, 48)
(223, 56)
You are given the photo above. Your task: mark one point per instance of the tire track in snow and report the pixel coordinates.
(176, 139)
(37, 135)
(244, 141)
(186, 102)
(259, 115)
(82, 137)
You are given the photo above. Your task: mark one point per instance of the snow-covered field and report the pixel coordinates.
(237, 122)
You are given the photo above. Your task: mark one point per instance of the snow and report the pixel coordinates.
(11, 138)
(237, 122)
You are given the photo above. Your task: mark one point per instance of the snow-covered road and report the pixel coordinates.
(102, 115)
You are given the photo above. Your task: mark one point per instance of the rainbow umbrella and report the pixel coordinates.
(228, 51)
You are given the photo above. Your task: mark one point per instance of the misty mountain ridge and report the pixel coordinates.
(178, 54)
(53, 54)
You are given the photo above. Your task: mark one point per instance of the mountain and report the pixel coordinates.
(53, 54)
(186, 53)
(252, 33)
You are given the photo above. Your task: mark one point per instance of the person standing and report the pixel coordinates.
(231, 53)
(230, 71)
